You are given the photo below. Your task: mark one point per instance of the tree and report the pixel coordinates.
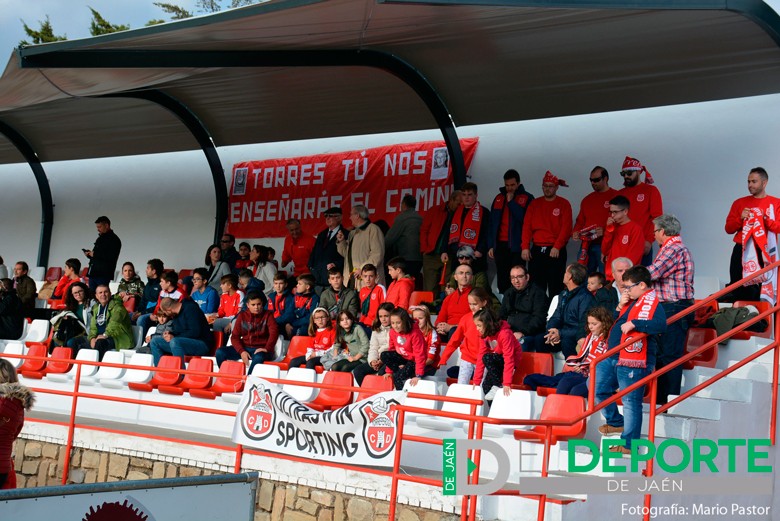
(100, 25)
(209, 6)
(43, 35)
(176, 12)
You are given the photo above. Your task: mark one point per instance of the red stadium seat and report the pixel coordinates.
(373, 384)
(697, 337)
(161, 377)
(419, 297)
(185, 273)
(531, 363)
(298, 347)
(191, 381)
(761, 306)
(557, 407)
(328, 399)
(34, 367)
(84, 272)
(226, 382)
(53, 274)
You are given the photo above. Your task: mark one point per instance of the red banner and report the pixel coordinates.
(264, 194)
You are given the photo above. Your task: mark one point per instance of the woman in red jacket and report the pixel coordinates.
(499, 354)
(406, 354)
(14, 399)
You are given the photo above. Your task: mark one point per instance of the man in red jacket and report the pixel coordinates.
(456, 304)
(592, 219)
(645, 199)
(297, 248)
(434, 233)
(623, 237)
(548, 227)
(739, 212)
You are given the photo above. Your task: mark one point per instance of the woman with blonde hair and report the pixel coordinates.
(14, 399)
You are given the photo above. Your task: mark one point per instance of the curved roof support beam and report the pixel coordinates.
(122, 59)
(204, 139)
(47, 204)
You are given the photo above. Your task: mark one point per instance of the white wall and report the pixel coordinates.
(162, 205)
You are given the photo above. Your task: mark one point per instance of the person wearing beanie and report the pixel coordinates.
(645, 200)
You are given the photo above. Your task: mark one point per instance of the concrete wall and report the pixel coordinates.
(162, 205)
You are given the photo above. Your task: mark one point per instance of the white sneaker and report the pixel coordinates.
(492, 393)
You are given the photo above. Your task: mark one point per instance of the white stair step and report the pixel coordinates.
(730, 389)
(670, 426)
(755, 371)
(695, 407)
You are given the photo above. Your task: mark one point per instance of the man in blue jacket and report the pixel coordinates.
(567, 324)
(506, 227)
(190, 333)
(639, 312)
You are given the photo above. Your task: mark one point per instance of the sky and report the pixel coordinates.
(71, 17)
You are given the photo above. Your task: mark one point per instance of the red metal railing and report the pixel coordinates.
(475, 422)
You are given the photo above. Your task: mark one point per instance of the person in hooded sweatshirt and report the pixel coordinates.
(14, 400)
(499, 354)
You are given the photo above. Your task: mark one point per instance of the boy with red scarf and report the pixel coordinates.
(639, 312)
(469, 227)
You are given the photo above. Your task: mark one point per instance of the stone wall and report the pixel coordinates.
(39, 463)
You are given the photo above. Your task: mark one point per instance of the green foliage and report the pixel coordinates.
(44, 34)
(176, 12)
(100, 25)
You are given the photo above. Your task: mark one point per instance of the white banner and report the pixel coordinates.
(364, 432)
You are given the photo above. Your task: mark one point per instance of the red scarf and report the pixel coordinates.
(593, 346)
(470, 233)
(587, 235)
(635, 355)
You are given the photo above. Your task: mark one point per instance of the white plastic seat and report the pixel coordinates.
(553, 305)
(114, 287)
(422, 387)
(302, 393)
(149, 332)
(280, 349)
(454, 391)
(132, 375)
(517, 406)
(85, 355)
(38, 331)
(107, 373)
(15, 348)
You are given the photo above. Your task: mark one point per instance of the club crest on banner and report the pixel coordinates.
(381, 428)
(257, 416)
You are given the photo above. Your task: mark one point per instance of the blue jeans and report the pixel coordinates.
(671, 346)
(178, 346)
(228, 353)
(606, 385)
(622, 377)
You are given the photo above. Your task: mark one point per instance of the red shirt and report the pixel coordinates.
(376, 296)
(467, 338)
(323, 340)
(594, 210)
(432, 226)
(454, 307)
(547, 223)
(298, 251)
(734, 218)
(230, 305)
(505, 344)
(254, 331)
(623, 240)
(411, 346)
(646, 205)
(400, 291)
(61, 291)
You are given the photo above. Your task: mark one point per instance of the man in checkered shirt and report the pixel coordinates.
(672, 275)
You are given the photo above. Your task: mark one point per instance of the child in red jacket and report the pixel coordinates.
(400, 290)
(406, 355)
(467, 339)
(321, 328)
(499, 354)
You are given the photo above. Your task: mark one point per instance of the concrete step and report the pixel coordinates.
(755, 371)
(693, 407)
(737, 350)
(731, 389)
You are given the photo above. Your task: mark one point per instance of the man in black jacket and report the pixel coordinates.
(104, 254)
(524, 305)
(11, 319)
(325, 255)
